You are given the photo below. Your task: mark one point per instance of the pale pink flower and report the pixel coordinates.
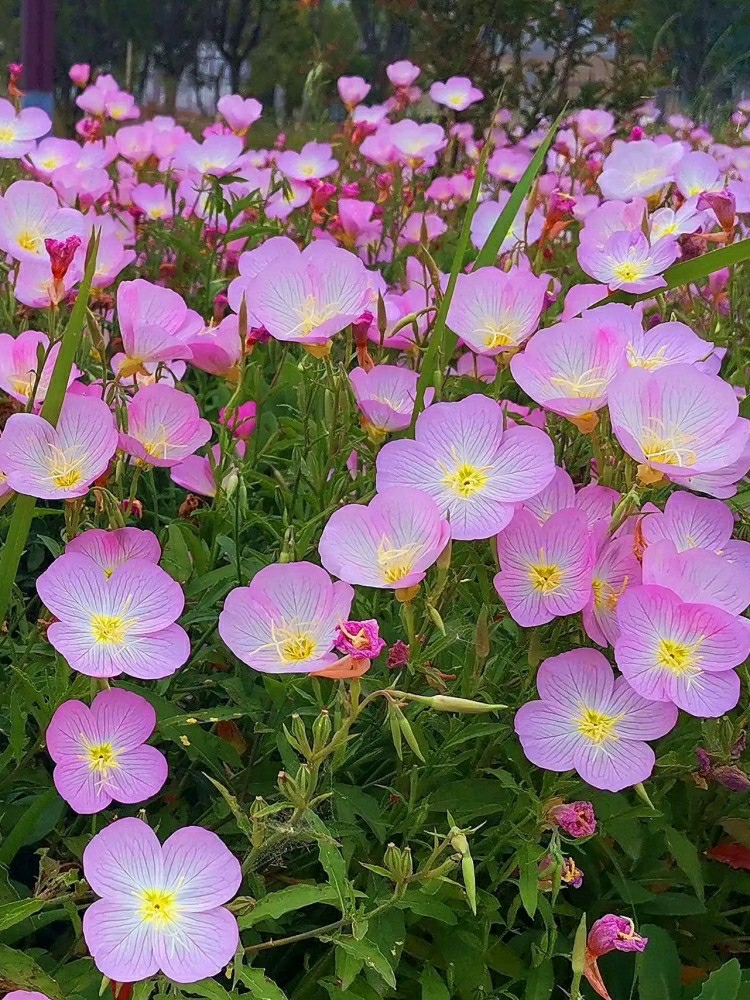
(164, 426)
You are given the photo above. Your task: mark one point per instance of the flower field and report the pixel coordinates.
(375, 552)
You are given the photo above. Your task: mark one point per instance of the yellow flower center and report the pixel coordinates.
(101, 757)
(64, 469)
(396, 564)
(596, 726)
(158, 906)
(581, 385)
(297, 648)
(110, 630)
(605, 595)
(312, 315)
(158, 212)
(28, 241)
(675, 656)
(466, 480)
(545, 577)
(23, 386)
(667, 448)
(657, 360)
(7, 134)
(628, 271)
(498, 335)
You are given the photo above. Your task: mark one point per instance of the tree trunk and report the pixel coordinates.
(171, 83)
(235, 74)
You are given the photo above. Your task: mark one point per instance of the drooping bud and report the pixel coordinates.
(61, 253)
(241, 421)
(636, 133)
(577, 819)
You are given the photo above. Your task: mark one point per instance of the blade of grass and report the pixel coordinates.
(488, 254)
(23, 510)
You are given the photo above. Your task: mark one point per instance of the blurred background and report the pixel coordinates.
(179, 56)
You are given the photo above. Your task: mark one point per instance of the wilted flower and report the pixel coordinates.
(161, 907)
(591, 722)
(101, 753)
(360, 639)
(577, 819)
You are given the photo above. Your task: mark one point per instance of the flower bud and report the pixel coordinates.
(446, 703)
(321, 730)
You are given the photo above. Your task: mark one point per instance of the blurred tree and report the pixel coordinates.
(237, 27)
(385, 33)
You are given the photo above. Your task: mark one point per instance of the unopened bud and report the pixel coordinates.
(321, 730)
(446, 703)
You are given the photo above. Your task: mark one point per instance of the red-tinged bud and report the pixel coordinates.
(384, 181)
(280, 141)
(14, 71)
(636, 133)
(577, 819)
(722, 204)
(90, 129)
(322, 194)
(132, 507)
(220, 307)
(61, 253)
(350, 190)
(398, 655)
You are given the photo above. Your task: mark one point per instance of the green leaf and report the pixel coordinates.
(276, 904)
(332, 861)
(684, 852)
(658, 966)
(14, 913)
(21, 971)
(541, 982)
(208, 988)
(26, 830)
(528, 882)
(176, 555)
(724, 984)
(372, 957)
(433, 987)
(261, 987)
(488, 254)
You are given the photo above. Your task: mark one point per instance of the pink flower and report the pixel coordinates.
(29, 214)
(161, 907)
(19, 365)
(286, 620)
(358, 227)
(252, 262)
(164, 426)
(241, 421)
(591, 722)
(422, 225)
(390, 543)
(402, 73)
(456, 93)
(352, 90)
(568, 368)
(119, 105)
(523, 230)
(577, 819)
(312, 162)
(100, 752)
(49, 154)
(629, 263)
(202, 474)
(613, 933)
(672, 651)
(691, 522)
(360, 639)
(239, 112)
(79, 73)
(216, 156)
(696, 173)
(155, 324)
(110, 549)
(545, 569)
(677, 421)
(19, 129)
(121, 623)
(665, 344)
(594, 124)
(595, 501)
(154, 200)
(698, 576)
(475, 471)
(58, 463)
(508, 164)
(616, 570)
(416, 143)
(385, 396)
(217, 349)
(639, 169)
(494, 311)
(313, 296)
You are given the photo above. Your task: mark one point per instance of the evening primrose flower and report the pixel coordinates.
(155, 324)
(494, 311)
(615, 570)
(154, 200)
(676, 421)
(19, 365)
(525, 229)
(457, 93)
(110, 549)
(385, 396)
(239, 112)
(352, 90)
(58, 463)
(691, 522)
(313, 162)
(590, 722)
(30, 213)
(639, 169)
(476, 472)
(673, 651)
(577, 819)
(629, 262)
(286, 620)
(698, 576)
(390, 543)
(313, 296)
(101, 753)
(545, 569)
(121, 623)
(665, 344)
(596, 502)
(164, 426)
(20, 129)
(161, 907)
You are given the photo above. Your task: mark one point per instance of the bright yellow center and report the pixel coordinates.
(64, 469)
(297, 648)
(7, 134)
(157, 446)
(396, 564)
(23, 386)
(110, 630)
(101, 757)
(675, 656)
(545, 577)
(158, 906)
(667, 448)
(596, 726)
(605, 595)
(628, 271)
(649, 176)
(312, 315)
(581, 385)
(158, 212)
(27, 241)
(657, 360)
(466, 480)
(498, 335)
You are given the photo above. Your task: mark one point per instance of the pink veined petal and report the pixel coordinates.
(80, 786)
(200, 869)
(639, 718)
(145, 594)
(123, 718)
(704, 694)
(120, 941)
(73, 588)
(149, 657)
(614, 764)
(140, 773)
(71, 723)
(123, 859)
(580, 677)
(547, 734)
(109, 548)
(199, 946)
